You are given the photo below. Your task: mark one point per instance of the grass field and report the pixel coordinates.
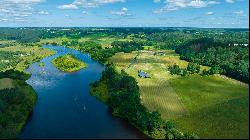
(6, 83)
(105, 41)
(211, 106)
(58, 40)
(156, 92)
(217, 107)
(32, 54)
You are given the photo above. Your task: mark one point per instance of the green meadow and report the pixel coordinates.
(217, 108)
(210, 106)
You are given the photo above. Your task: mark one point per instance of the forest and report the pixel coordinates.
(16, 104)
(231, 60)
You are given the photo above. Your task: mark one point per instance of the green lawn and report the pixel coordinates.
(68, 63)
(218, 108)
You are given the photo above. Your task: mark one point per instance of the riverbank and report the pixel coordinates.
(20, 57)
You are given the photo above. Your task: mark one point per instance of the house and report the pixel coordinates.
(161, 53)
(143, 74)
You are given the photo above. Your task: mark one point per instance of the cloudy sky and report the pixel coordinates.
(124, 13)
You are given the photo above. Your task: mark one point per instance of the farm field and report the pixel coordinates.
(105, 41)
(210, 106)
(26, 55)
(57, 40)
(217, 107)
(156, 92)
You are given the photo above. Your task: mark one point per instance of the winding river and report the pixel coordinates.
(65, 108)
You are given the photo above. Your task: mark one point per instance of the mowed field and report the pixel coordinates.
(6, 83)
(210, 106)
(218, 108)
(156, 92)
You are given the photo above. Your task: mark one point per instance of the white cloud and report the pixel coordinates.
(43, 12)
(171, 5)
(157, 1)
(230, 1)
(67, 6)
(19, 9)
(24, 1)
(197, 4)
(88, 3)
(3, 20)
(122, 12)
(210, 13)
(240, 13)
(213, 2)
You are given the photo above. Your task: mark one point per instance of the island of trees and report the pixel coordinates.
(68, 63)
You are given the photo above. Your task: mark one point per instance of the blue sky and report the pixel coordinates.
(125, 13)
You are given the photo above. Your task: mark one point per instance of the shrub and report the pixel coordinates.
(175, 69)
(193, 67)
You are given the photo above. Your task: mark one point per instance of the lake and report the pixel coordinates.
(65, 108)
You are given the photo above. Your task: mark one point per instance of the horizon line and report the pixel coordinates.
(122, 27)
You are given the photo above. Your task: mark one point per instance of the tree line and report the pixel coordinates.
(232, 61)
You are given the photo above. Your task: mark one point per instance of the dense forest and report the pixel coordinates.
(15, 104)
(231, 60)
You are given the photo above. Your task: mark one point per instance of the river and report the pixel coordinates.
(65, 108)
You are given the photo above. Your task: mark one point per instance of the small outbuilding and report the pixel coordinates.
(143, 74)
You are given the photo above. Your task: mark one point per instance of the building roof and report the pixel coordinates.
(143, 74)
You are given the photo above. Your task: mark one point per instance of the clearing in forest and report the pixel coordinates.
(6, 83)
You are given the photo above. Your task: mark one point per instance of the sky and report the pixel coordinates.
(125, 13)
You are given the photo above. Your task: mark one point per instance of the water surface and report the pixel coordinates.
(65, 108)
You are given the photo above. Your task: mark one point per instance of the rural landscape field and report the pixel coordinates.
(123, 69)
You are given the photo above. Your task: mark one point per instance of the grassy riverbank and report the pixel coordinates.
(19, 57)
(68, 63)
